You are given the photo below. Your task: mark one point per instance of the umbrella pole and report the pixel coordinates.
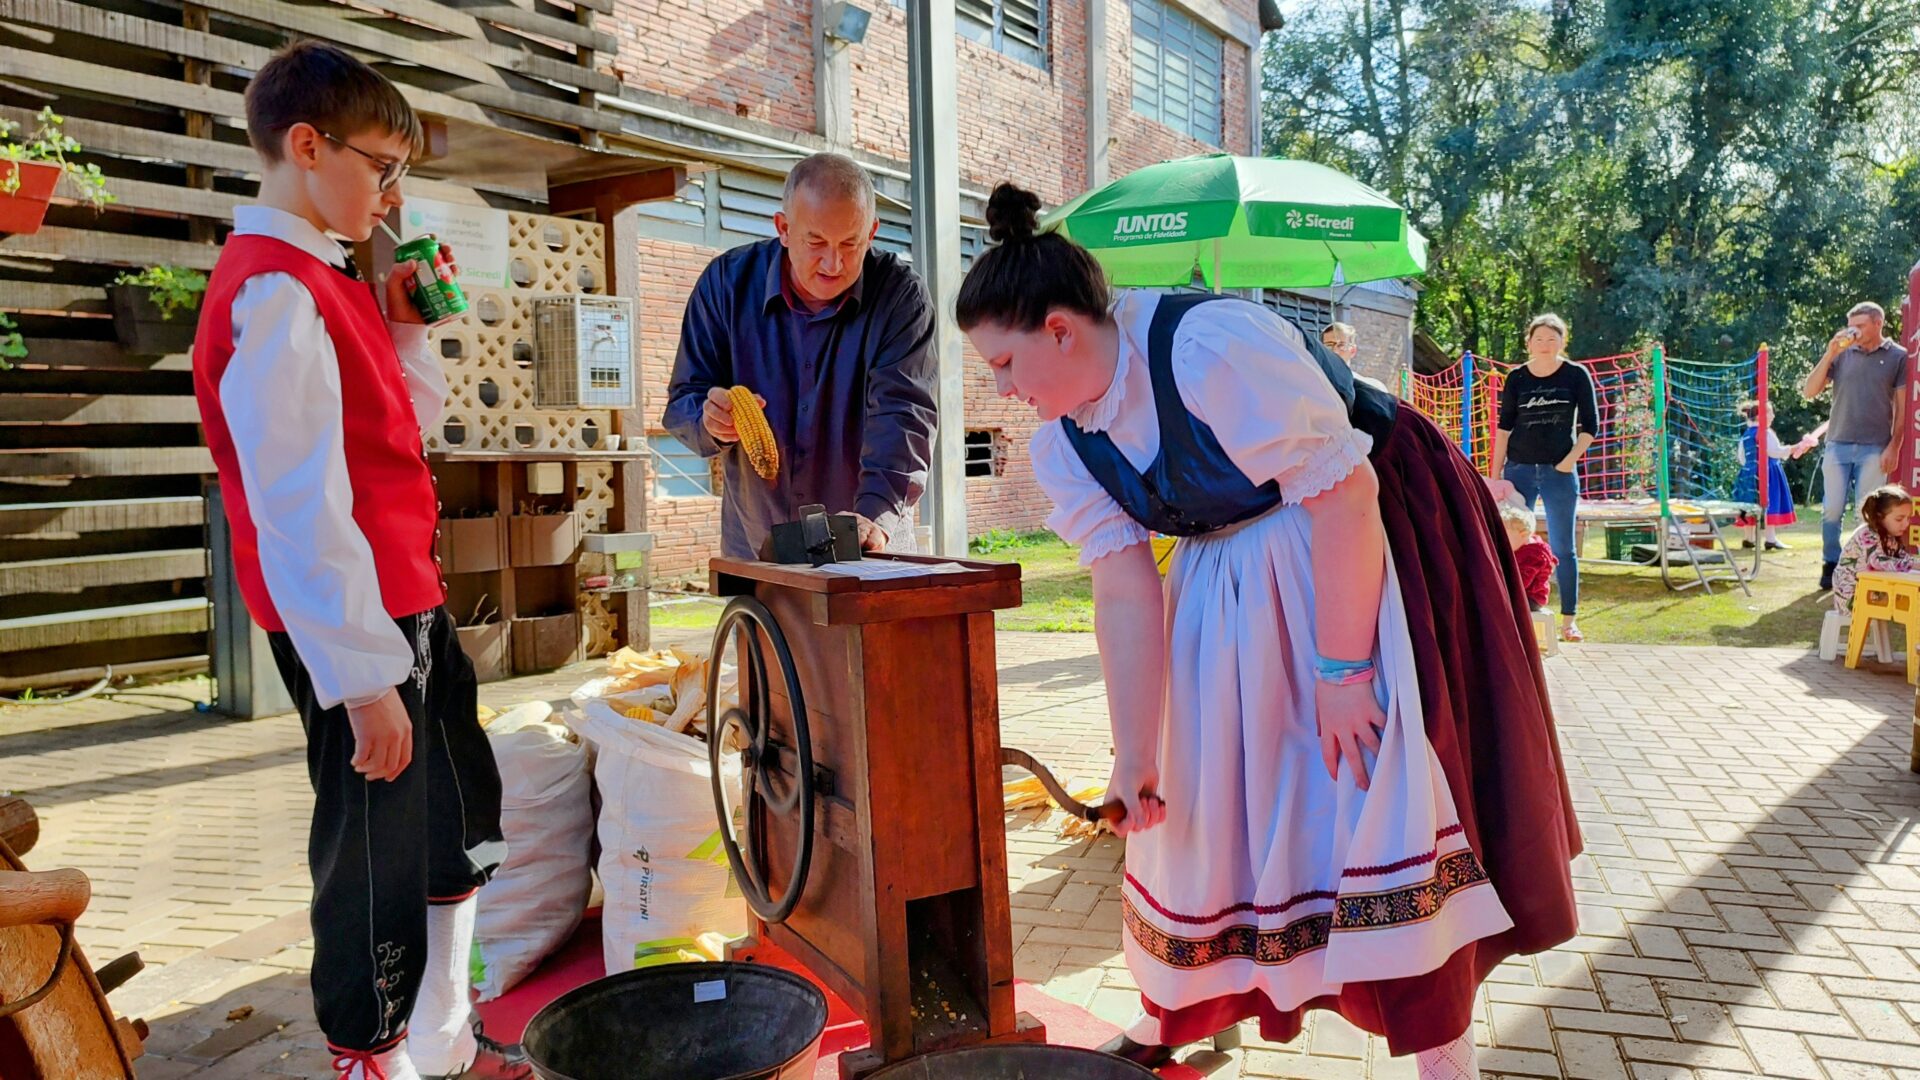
(1216, 266)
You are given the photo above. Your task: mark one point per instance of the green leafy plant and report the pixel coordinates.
(12, 345)
(1000, 540)
(172, 288)
(50, 144)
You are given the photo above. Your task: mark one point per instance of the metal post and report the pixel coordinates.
(832, 83)
(246, 682)
(1661, 479)
(1910, 424)
(936, 251)
(1762, 445)
(1466, 404)
(1099, 130)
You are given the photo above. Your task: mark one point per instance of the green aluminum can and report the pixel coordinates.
(435, 293)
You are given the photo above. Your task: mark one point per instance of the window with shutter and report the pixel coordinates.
(1177, 70)
(1310, 313)
(1017, 28)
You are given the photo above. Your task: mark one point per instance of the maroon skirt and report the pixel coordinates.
(1487, 715)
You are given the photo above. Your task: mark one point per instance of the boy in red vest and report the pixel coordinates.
(313, 403)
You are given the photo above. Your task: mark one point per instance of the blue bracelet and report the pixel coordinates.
(1342, 672)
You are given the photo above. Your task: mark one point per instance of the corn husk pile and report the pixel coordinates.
(1028, 794)
(666, 687)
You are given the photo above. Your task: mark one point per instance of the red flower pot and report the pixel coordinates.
(25, 209)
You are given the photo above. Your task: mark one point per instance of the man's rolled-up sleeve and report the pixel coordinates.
(703, 361)
(897, 435)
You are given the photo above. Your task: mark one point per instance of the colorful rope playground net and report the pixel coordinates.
(1659, 476)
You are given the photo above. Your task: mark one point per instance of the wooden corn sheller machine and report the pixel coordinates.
(872, 843)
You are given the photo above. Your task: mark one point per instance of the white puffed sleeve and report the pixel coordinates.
(1246, 373)
(1083, 512)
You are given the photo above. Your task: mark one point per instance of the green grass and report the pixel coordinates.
(1618, 604)
(696, 614)
(1629, 605)
(1057, 591)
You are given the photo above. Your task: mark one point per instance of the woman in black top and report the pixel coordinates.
(1548, 419)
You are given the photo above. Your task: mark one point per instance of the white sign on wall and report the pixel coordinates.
(477, 235)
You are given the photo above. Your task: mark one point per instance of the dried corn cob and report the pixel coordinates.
(756, 436)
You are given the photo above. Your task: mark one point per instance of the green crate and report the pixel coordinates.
(1622, 537)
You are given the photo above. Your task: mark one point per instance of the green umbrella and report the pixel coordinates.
(1242, 222)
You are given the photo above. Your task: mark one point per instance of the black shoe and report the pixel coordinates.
(1826, 576)
(1746, 543)
(1775, 545)
(1146, 1055)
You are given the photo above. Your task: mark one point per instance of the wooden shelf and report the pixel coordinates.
(456, 457)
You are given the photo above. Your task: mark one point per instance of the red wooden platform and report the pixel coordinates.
(580, 962)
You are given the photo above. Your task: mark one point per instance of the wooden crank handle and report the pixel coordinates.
(1113, 811)
(46, 897)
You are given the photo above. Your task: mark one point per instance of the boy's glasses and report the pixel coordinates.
(391, 172)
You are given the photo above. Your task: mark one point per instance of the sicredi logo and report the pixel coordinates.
(1298, 220)
(1143, 226)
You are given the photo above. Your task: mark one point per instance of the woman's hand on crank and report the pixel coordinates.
(382, 737)
(1137, 785)
(1350, 722)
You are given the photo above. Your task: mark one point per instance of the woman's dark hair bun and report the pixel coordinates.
(1024, 275)
(1013, 213)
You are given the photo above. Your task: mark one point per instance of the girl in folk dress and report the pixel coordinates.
(1746, 486)
(1337, 697)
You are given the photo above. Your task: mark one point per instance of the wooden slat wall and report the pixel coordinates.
(101, 463)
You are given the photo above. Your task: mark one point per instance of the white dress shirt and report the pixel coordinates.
(282, 399)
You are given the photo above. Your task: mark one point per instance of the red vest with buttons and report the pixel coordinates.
(393, 494)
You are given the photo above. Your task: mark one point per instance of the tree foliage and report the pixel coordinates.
(1708, 173)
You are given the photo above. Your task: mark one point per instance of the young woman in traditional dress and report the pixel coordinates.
(1331, 729)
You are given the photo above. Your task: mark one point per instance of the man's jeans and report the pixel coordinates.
(1846, 465)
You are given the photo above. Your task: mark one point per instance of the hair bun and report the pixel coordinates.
(1013, 213)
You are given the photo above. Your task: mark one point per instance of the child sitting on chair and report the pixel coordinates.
(1880, 544)
(1530, 553)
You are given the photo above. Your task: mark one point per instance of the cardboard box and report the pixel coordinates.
(545, 643)
(544, 539)
(486, 646)
(471, 545)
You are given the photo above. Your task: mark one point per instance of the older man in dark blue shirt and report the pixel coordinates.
(835, 339)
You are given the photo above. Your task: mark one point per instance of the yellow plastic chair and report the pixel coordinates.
(1163, 552)
(1892, 598)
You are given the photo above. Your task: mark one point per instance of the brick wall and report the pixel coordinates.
(1018, 121)
(1383, 345)
(753, 58)
(685, 530)
(1011, 500)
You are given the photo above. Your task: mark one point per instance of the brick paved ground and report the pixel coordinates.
(1751, 892)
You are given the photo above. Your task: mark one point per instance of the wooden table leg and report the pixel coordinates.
(1913, 762)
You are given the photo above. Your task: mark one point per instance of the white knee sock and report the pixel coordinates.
(440, 1032)
(394, 1065)
(1454, 1061)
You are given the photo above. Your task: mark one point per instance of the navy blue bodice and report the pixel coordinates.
(1192, 487)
